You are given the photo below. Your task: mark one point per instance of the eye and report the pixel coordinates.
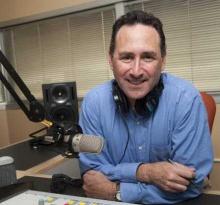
(148, 57)
(126, 58)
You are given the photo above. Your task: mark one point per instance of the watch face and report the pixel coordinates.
(118, 196)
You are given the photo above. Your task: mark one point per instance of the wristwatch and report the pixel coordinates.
(118, 193)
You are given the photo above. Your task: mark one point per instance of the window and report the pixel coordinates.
(192, 30)
(62, 49)
(74, 47)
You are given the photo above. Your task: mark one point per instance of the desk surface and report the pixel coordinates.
(25, 156)
(44, 154)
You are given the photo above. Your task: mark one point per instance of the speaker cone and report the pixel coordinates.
(62, 114)
(60, 94)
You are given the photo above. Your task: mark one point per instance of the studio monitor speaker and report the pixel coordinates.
(61, 104)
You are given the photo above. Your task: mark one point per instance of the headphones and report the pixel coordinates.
(144, 106)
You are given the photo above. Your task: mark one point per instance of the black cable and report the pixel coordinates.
(128, 139)
(40, 140)
(40, 130)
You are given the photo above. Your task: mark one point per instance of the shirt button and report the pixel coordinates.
(138, 122)
(140, 147)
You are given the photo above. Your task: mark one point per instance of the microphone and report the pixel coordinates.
(71, 137)
(84, 143)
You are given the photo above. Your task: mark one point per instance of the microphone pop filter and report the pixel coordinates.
(87, 143)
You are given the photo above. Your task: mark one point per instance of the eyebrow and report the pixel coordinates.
(125, 53)
(148, 53)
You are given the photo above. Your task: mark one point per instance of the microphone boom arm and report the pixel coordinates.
(36, 111)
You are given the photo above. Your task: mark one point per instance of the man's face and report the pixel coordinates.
(137, 62)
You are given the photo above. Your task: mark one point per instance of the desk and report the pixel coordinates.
(32, 162)
(45, 156)
(26, 157)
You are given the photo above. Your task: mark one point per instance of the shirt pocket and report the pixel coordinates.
(159, 153)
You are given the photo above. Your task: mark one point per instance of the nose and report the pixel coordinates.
(136, 69)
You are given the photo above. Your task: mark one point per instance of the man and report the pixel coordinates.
(157, 141)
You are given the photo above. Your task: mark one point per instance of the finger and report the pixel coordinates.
(84, 188)
(186, 168)
(184, 171)
(89, 174)
(181, 166)
(182, 181)
(175, 187)
(189, 175)
(88, 194)
(88, 179)
(85, 177)
(88, 191)
(179, 176)
(92, 172)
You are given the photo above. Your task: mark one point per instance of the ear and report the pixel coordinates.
(163, 63)
(110, 61)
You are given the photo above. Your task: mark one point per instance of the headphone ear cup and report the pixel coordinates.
(147, 105)
(120, 98)
(141, 107)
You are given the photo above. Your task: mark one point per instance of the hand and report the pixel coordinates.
(169, 177)
(97, 185)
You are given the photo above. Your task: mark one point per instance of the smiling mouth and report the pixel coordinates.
(136, 82)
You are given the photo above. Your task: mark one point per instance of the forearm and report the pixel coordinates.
(142, 188)
(149, 194)
(125, 172)
(98, 186)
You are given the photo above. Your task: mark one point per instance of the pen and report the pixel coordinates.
(172, 162)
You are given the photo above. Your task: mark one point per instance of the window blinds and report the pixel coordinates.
(75, 47)
(193, 42)
(62, 49)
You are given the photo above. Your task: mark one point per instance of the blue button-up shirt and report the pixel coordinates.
(178, 130)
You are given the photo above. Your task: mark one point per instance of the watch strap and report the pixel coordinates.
(118, 193)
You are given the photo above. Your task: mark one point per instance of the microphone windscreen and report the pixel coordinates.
(87, 143)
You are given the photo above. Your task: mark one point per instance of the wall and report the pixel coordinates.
(20, 11)
(215, 182)
(15, 127)
(214, 177)
(19, 127)
(4, 135)
(216, 133)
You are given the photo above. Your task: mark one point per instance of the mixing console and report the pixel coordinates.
(44, 198)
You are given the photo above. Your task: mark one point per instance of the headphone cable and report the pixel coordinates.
(128, 139)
